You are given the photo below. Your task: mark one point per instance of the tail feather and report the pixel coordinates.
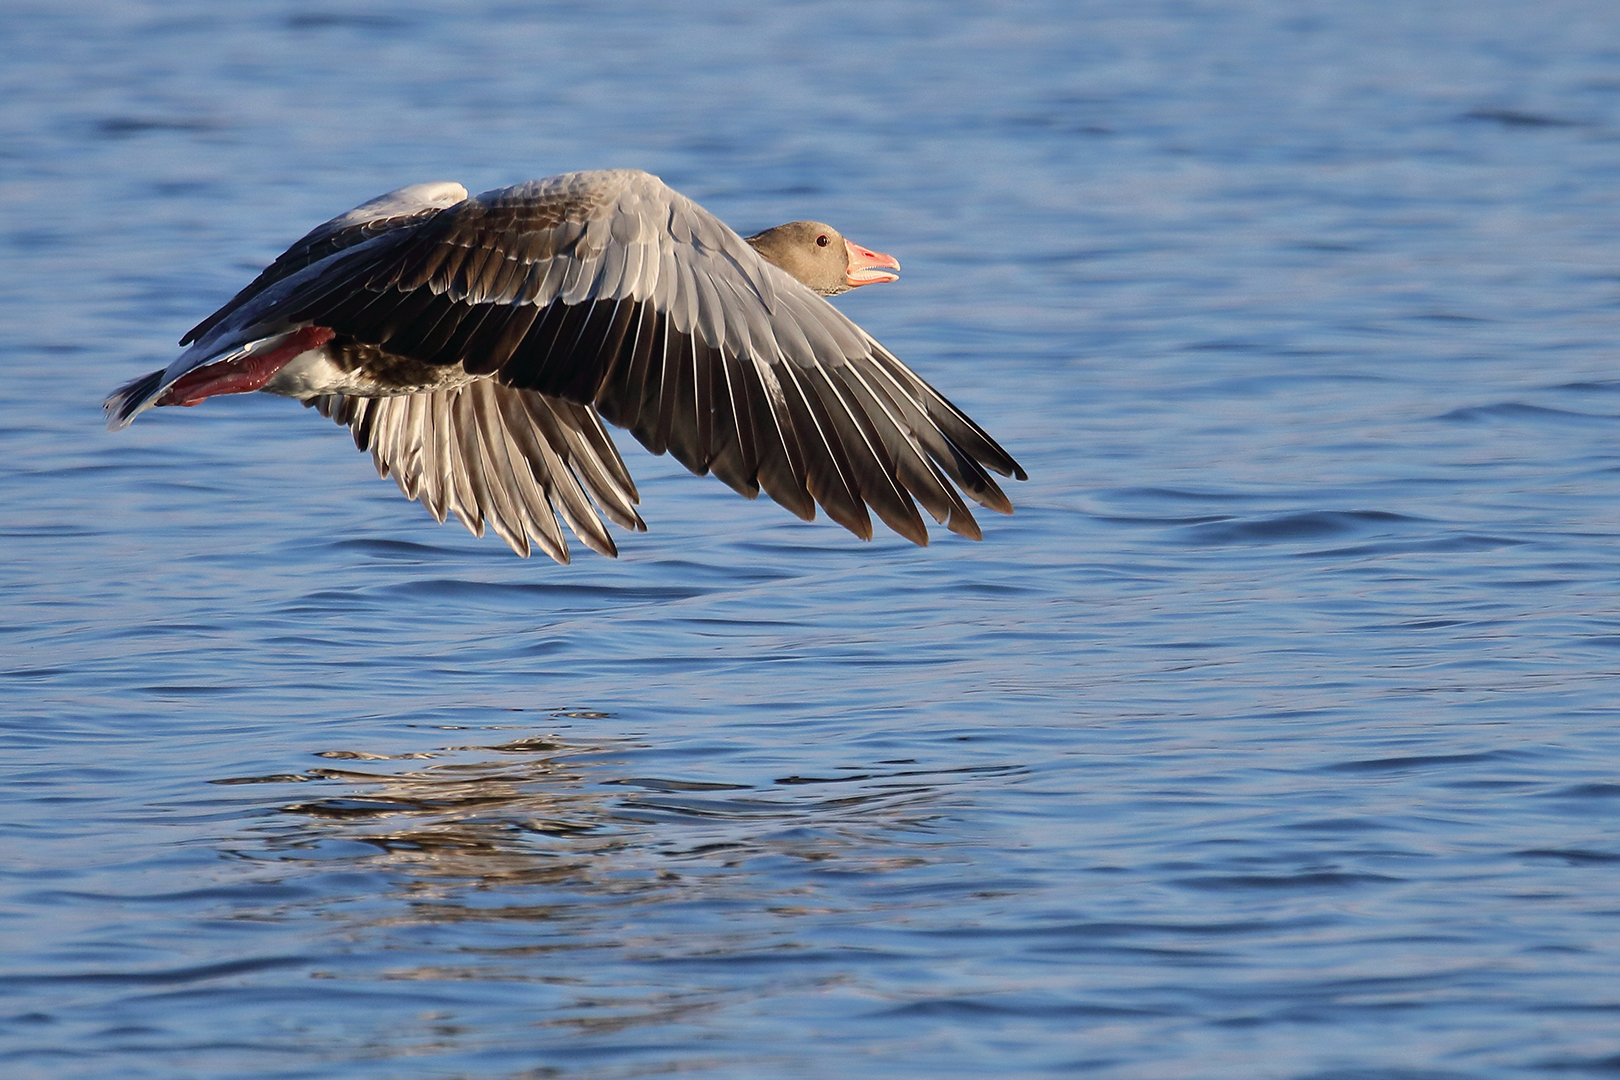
(122, 404)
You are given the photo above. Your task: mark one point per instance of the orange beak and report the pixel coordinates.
(866, 267)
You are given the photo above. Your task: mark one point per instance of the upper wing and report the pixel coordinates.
(251, 320)
(609, 288)
(395, 210)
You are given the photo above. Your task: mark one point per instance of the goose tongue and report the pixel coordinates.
(867, 266)
(243, 375)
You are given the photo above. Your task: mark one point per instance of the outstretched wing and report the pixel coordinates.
(610, 289)
(251, 321)
(396, 210)
(513, 458)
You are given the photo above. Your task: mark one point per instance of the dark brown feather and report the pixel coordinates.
(781, 470)
(428, 335)
(412, 318)
(625, 388)
(675, 390)
(593, 367)
(579, 363)
(737, 460)
(919, 475)
(527, 363)
(499, 337)
(728, 460)
(871, 470)
(307, 251)
(829, 474)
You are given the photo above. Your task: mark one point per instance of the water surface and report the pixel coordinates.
(1272, 738)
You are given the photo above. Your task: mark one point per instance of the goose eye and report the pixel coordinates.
(822, 241)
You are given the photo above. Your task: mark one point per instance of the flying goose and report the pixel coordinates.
(475, 345)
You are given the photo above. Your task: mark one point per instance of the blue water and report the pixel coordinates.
(1273, 737)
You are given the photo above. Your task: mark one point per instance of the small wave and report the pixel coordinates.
(123, 127)
(1517, 118)
(1516, 410)
(1573, 857)
(171, 976)
(1464, 542)
(390, 549)
(966, 1008)
(1606, 386)
(461, 589)
(1156, 493)
(344, 20)
(1583, 1066)
(1400, 764)
(1310, 880)
(273, 778)
(653, 783)
(1589, 791)
(1300, 526)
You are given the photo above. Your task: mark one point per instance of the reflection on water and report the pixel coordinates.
(540, 811)
(609, 894)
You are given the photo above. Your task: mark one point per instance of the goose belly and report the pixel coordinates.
(359, 370)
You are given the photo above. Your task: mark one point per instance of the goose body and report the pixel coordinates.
(475, 345)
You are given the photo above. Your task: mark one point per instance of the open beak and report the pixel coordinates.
(866, 267)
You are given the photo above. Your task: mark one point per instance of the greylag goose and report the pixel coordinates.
(475, 345)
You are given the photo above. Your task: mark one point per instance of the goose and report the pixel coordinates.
(476, 345)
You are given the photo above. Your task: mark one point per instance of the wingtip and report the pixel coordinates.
(911, 528)
(963, 524)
